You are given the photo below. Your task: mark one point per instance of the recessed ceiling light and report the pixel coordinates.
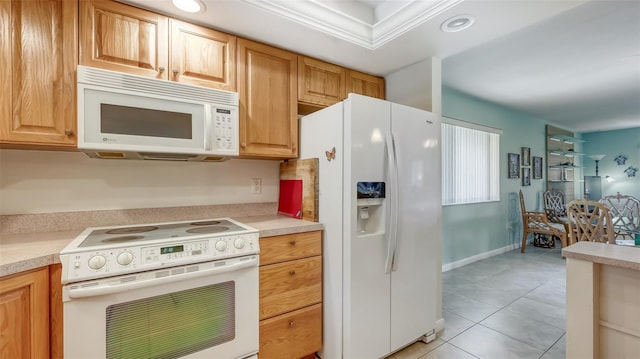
(457, 23)
(189, 5)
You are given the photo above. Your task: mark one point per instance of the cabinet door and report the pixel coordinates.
(24, 323)
(202, 56)
(319, 82)
(119, 37)
(267, 83)
(364, 84)
(37, 77)
(290, 285)
(289, 247)
(292, 335)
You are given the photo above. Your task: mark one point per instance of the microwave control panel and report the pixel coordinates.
(225, 129)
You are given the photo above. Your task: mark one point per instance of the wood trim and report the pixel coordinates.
(56, 328)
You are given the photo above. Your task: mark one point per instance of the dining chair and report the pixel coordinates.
(555, 201)
(589, 221)
(625, 214)
(537, 222)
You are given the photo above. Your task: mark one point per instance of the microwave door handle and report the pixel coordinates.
(127, 286)
(208, 134)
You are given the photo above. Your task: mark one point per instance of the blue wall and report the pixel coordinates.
(469, 230)
(613, 143)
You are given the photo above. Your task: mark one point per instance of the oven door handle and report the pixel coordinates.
(113, 287)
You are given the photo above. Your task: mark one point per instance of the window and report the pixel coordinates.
(470, 162)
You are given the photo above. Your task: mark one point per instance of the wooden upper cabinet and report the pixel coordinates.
(365, 84)
(38, 50)
(24, 323)
(267, 84)
(202, 56)
(319, 82)
(123, 38)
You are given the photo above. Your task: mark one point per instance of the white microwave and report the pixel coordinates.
(122, 116)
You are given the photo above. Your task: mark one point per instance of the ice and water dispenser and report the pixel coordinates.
(370, 203)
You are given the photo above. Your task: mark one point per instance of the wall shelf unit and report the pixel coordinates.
(564, 161)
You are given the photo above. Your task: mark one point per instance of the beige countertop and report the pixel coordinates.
(25, 251)
(602, 253)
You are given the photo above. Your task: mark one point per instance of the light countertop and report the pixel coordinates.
(25, 251)
(602, 253)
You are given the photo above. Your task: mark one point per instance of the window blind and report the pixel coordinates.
(470, 163)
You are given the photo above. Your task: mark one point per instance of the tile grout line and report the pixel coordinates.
(554, 343)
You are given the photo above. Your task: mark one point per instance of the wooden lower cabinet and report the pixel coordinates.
(292, 335)
(24, 315)
(290, 295)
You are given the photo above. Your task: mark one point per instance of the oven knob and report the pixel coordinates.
(221, 246)
(125, 258)
(97, 262)
(239, 243)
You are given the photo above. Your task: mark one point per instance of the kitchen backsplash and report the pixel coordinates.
(50, 182)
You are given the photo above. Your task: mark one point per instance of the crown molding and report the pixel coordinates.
(323, 18)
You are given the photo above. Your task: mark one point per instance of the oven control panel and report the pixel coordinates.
(109, 262)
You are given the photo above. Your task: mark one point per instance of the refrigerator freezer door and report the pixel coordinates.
(415, 264)
(366, 285)
(319, 133)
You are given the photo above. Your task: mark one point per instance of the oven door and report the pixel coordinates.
(202, 310)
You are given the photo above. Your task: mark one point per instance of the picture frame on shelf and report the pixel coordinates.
(526, 176)
(537, 167)
(526, 156)
(513, 164)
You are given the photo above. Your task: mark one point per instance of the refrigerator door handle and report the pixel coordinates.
(393, 202)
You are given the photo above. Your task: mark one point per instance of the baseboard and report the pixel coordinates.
(478, 257)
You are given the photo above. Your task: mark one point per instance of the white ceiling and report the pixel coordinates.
(574, 63)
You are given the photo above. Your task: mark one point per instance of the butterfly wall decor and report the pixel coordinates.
(331, 155)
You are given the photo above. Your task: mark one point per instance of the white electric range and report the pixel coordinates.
(185, 289)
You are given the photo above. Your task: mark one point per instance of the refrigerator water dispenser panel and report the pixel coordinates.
(370, 190)
(370, 203)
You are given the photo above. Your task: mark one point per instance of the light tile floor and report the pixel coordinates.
(504, 307)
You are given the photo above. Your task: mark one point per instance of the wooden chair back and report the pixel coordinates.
(590, 221)
(625, 214)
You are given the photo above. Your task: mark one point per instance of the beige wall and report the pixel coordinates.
(46, 181)
(418, 85)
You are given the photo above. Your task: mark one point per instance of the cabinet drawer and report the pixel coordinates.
(291, 246)
(290, 285)
(292, 335)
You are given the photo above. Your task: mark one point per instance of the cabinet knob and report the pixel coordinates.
(161, 69)
(175, 72)
(292, 324)
(292, 273)
(243, 145)
(293, 243)
(68, 132)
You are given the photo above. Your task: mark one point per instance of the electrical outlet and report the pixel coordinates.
(256, 185)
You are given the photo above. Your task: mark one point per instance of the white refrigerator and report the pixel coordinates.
(379, 200)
